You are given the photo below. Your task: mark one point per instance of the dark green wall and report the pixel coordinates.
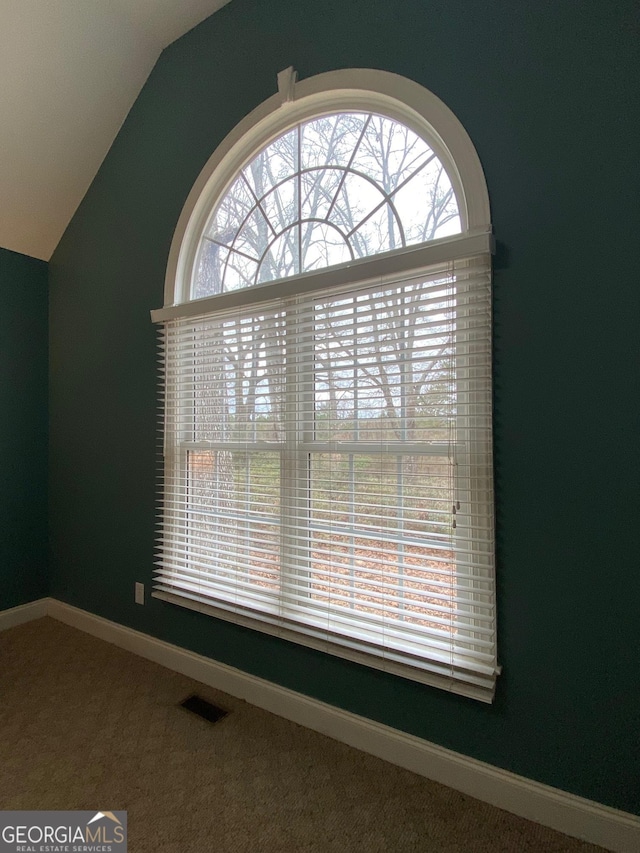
(23, 429)
(548, 94)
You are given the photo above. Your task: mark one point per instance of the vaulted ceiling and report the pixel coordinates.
(70, 71)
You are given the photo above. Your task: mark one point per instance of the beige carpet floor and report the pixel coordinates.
(84, 725)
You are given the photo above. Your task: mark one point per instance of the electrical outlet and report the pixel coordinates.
(139, 593)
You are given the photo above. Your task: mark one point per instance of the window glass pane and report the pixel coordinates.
(357, 198)
(254, 236)
(239, 271)
(233, 521)
(384, 367)
(381, 543)
(378, 232)
(231, 212)
(389, 153)
(238, 380)
(280, 205)
(279, 160)
(331, 139)
(281, 257)
(322, 246)
(318, 191)
(442, 219)
(210, 268)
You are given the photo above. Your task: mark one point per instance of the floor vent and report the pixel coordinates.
(198, 705)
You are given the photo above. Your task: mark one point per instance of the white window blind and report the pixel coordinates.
(327, 470)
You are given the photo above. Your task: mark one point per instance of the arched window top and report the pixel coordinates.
(331, 170)
(330, 190)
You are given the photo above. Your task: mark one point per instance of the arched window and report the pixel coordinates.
(327, 191)
(326, 345)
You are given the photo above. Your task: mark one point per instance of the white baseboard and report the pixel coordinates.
(24, 613)
(610, 828)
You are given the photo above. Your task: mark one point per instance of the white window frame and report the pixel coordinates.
(351, 90)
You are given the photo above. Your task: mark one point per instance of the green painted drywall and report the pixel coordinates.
(547, 92)
(23, 429)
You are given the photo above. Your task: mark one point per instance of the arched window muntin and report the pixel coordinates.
(345, 91)
(367, 179)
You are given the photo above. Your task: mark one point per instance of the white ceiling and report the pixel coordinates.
(70, 71)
